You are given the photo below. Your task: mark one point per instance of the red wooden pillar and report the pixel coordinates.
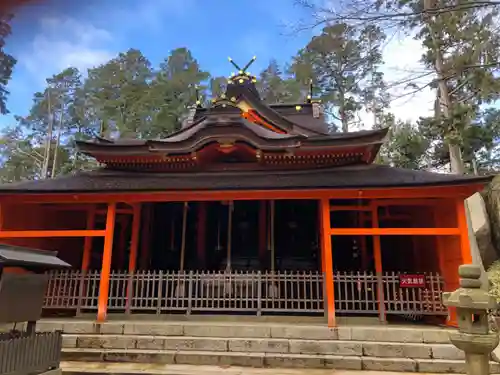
(134, 240)
(326, 256)
(463, 255)
(146, 237)
(377, 254)
(86, 256)
(134, 245)
(201, 234)
(262, 231)
(87, 244)
(102, 306)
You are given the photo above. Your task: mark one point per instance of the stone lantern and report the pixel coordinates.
(472, 305)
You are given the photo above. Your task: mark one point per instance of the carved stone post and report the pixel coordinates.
(472, 305)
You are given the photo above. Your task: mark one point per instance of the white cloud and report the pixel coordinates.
(402, 62)
(402, 59)
(63, 43)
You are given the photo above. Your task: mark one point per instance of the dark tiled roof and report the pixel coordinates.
(361, 176)
(22, 256)
(209, 129)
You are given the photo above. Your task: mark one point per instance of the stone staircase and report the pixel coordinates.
(378, 348)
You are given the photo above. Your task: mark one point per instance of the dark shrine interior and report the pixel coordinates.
(296, 239)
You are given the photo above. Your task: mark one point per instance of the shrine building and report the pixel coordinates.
(250, 208)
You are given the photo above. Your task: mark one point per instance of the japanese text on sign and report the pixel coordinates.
(412, 281)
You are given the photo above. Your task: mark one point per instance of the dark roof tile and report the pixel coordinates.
(361, 176)
(22, 256)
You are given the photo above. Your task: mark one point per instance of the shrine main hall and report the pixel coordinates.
(248, 209)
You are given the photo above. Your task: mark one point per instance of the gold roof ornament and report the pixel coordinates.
(243, 75)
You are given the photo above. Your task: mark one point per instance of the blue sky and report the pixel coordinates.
(47, 39)
(63, 33)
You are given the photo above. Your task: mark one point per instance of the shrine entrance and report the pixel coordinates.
(262, 257)
(235, 236)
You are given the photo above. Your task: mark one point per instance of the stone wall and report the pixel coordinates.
(484, 219)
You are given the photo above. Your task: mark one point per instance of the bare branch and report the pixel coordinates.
(368, 13)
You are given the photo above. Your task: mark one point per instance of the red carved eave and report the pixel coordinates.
(254, 117)
(215, 153)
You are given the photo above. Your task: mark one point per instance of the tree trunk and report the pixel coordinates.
(342, 114)
(374, 113)
(56, 149)
(457, 164)
(48, 140)
(456, 161)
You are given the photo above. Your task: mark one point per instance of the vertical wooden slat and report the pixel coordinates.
(87, 244)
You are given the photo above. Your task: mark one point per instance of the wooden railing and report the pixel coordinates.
(29, 354)
(251, 292)
(356, 293)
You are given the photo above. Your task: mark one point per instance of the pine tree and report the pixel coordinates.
(343, 63)
(7, 62)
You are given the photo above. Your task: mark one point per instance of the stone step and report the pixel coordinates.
(419, 334)
(274, 360)
(265, 345)
(91, 368)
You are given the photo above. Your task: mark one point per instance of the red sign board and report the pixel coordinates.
(412, 281)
